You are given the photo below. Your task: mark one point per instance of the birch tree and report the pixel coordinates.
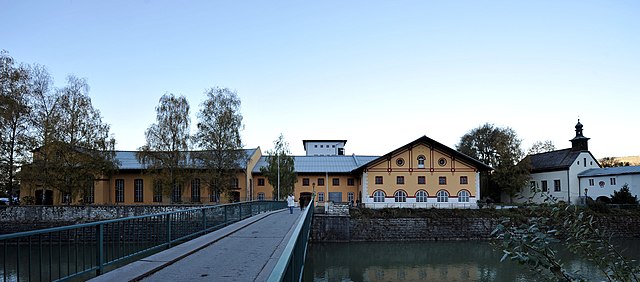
(280, 169)
(167, 144)
(218, 136)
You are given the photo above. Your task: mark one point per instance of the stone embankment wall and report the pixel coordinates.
(339, 226)
(25, 218)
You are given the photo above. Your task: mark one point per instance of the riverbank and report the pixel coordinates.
(367, 225)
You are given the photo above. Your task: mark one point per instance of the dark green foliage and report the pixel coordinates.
(598, 206)
(500, 149)
(624, 197)
(532, 244)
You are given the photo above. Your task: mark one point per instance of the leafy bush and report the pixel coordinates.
(624, 197)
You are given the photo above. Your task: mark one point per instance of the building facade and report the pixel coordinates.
(600, 183)
(421, 174)
(556, 173)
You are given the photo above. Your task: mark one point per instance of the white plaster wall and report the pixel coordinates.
(549, 177)
(595, 191)
(577, 167)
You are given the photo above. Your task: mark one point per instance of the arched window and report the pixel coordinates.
(421, 159)
(378, 196)
(443, 196)
(463, 196)
(421, 196)
(400, 196)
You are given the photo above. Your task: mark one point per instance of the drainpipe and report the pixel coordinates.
(569, 188)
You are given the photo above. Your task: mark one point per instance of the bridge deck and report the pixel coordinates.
(244, 251)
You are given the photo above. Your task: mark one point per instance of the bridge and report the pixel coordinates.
(249, 241)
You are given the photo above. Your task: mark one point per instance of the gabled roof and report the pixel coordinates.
(480, 166)
(621, 170)
(322, 164)
(128, 160)
(554, 160)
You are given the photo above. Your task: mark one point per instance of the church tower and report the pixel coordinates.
(579, 143)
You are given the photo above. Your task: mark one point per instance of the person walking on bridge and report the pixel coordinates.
(290, 203)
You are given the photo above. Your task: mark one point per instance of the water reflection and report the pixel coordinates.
(426, 261)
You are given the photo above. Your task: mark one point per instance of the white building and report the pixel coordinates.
(324, 147)
(556, 172)
(600, 183)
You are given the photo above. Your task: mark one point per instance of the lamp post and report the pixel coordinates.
(278, 158)
(585, 195)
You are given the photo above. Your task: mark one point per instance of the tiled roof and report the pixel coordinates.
(322, 164)
(554, 160)
(610, 171)
(128, 159)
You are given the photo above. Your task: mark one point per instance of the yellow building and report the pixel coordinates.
(421, 174)
(131, 185)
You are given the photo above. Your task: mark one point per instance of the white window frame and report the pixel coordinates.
(422, 196)
(442, 196)
(400, 196)
(379, 196)
(463, 196)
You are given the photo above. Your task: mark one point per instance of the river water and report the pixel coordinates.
(429, 261)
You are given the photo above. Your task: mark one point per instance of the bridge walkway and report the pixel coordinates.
(244, 251)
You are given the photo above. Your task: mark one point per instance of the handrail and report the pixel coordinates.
(75, 251)
(291, 263)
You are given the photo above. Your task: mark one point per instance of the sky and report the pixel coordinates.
(379, 74)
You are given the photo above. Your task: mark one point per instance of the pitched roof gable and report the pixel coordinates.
(553, 161)
(480, 166)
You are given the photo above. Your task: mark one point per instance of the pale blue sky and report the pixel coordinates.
(377, 73)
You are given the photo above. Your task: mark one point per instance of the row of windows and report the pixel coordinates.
(322, 146)
(557, 186)
(350, 197)
(612, 181)
(421, 196)
(421, 159)
(442, 180)
(305, 182)
(176, 193)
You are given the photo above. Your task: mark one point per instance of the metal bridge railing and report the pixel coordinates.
(84, 250)
(291, 263)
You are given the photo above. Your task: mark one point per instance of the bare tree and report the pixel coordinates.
(218, 136)
(541, 147)
(74, 146)
(165, 153)
(14, 121)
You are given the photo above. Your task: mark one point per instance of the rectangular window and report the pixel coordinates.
(66, 198)
(138, 191)
(260, 181)
(464, 180)
(351, 182)
(214, 195)
(612, 180)
(235, 183)
(260, 196)
(378, 179)
(556, 185)
(422, 180)
(320, 181)
(89, 194)
(320, 196)
(442, 180)
(532, 184)
(119, 190)
(592, 182)
(305, 182)
(335, 182)
(350, 197)
(399, 179)
(545, 188)
(157, 193)
(584, 160)
(195, 190)
(176, 193)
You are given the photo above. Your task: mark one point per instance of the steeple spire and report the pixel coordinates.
(579, 143)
